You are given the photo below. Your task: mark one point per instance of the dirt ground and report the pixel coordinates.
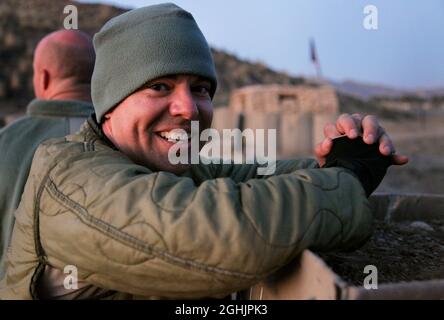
(405, 251)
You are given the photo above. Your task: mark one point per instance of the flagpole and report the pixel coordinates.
(314, 59)
(318, 70)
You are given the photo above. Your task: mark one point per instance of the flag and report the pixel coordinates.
(314, 58)
(313, 55)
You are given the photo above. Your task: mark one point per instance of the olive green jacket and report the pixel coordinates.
(44, 119)
(136, 233)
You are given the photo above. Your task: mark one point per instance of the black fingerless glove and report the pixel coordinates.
(364, 160)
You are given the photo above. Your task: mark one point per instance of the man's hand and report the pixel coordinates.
(353, 126)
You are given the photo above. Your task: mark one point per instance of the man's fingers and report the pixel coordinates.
(346, 124)
(371, 131)
(330, 131)
(357, 118)
(326, 146)
(400, 160)
(318, 154)
(385, 145)
(323, 148)
(352, 126)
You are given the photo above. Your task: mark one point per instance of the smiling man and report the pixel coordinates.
(108, 203)
(143, 125)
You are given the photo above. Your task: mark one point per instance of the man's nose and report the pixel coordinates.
(183, 104)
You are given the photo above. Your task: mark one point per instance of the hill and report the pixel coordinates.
(365, 91)
(24, 22)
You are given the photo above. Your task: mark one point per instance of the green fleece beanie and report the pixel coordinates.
(144, 44)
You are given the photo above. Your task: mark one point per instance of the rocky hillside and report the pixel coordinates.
(24, 22)
(366, 91)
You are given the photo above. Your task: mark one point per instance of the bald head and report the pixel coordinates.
(63, 63)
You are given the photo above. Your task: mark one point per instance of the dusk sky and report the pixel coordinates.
(406, 51)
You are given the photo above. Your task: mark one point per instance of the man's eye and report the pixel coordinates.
(202, 90)
(159, 87)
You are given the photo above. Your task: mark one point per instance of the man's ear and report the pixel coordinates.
(46, 78)
(106, 125)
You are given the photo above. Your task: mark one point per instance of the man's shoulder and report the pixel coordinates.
(59, 108)
(60, 149)
(17, 124)
(30, 127)
(23, 132)
(80, 152)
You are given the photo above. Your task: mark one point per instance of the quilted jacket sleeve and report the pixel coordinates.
(245, 172)
(156, 234)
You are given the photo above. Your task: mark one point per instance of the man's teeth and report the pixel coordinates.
(174, 136)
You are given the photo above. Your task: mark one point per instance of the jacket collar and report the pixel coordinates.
(97, 129)
(66, 108)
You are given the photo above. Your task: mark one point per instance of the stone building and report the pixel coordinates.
(298, 113)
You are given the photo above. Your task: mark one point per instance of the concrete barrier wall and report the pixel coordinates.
(265, 121)
(296, 135)
(299, 113)
(224, 118)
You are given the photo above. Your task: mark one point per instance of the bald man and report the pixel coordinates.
(63, 65)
